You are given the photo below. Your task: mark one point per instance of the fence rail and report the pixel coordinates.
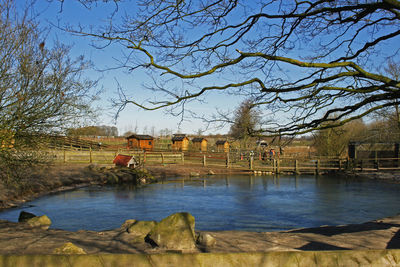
(230, 160)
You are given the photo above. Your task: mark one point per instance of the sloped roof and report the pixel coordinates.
(221, 142)
(122, 160)
(140, 137)
(178, 138)
(198, 139)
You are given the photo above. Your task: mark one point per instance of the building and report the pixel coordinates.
(199, 144)
(180, 142)
(222, 145)
(140, 141)
(125, 161)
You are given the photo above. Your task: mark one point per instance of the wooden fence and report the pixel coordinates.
(230, 160)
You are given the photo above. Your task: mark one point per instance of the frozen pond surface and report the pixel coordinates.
(260, 203)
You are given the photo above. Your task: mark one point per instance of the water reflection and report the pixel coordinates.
(254, 203)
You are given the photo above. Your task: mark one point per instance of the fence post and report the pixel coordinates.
(296, 167)
(340, 164)
(65, 156)
(377, 164)
(251, 162)
(204, 161)
(162, 158)
(274, 165)
(317, 166)
(278, 164)
(90, 155)
(183, 158)
(227, 160)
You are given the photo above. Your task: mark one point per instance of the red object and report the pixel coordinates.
(123, 160)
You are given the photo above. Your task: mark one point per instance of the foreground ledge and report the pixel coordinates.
(389, 257)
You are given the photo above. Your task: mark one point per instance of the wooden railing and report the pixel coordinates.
(230, 160)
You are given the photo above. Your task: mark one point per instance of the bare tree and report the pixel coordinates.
(42, 91)
(302, 61)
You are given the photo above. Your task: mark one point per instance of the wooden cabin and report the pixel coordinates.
(140, 141)
(180, 142)
(222, 146)
(199, 144)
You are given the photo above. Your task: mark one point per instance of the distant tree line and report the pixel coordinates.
(102, 130)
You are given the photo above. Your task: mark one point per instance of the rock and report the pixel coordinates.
(39, 221)
(94, 167)
(112, 178)
(176, 232)
(211, 172)
(128, 223)
(24, 216)
(69, 248)
(206, 240)
(194, 174)
(141, 228)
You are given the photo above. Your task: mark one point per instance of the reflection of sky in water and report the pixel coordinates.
(261, 203)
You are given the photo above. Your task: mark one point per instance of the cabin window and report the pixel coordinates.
(149, 143)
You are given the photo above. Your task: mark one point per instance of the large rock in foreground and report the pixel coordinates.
(69, 248)
(140, 229)
(40, 221)
(34, 221)
(176, 232)
(24, 216)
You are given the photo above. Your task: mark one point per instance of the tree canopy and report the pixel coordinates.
(246, 121)
(300, 61)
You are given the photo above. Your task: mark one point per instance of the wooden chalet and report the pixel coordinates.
(140, 141)
(222, 145)
(199, 144)
(180, 142)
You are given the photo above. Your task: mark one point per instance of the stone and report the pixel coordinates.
(39, 221)
(206, 240)
(94, 167)
(194, 174)
(211, 172)
(24, 216)
(141, 228)
(69, 248)
(128, 223)
(176, 232)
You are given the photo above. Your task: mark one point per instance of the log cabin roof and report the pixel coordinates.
(221, 142)
(178, 138)
(140, 137)
(198, 139)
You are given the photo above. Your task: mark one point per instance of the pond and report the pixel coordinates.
(240, 202)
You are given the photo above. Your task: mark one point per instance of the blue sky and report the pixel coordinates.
(73, 13)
